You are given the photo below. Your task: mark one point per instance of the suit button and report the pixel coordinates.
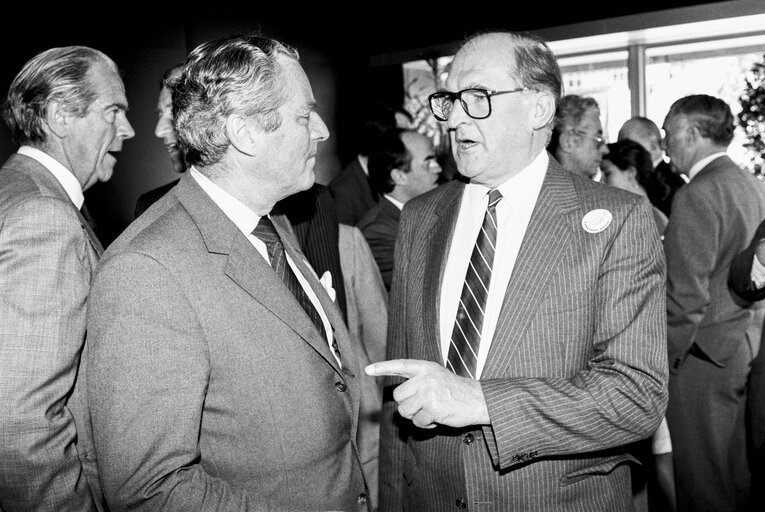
(460, 503)
(362, 499)
(468, 438)
(340, 386)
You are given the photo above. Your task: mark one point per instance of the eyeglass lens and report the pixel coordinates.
(475, 102)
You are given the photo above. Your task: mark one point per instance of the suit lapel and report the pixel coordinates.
(245, 266)
(281, 223)
(547, 237)
(52, 186)
(94, 241)
(443, 222)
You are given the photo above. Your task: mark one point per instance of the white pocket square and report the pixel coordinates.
(326, 282)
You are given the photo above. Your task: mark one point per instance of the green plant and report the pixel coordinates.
(752, 115)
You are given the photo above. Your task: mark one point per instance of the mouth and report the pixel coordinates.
(464, 142)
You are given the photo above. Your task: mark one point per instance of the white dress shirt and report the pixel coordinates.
(62, 174)
(398, 204)
(519, 195)
(695, 168)
(246, 220)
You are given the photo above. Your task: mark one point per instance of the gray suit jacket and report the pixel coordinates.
(210, 388)
(577, 368)
(48, 253)
(719, 210)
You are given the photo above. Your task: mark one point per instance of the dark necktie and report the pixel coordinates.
(462, 357)
(266, 232)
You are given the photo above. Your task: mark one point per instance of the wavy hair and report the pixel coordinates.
(59, 75)
(235, 74)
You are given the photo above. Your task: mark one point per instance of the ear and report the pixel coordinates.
(242, 133)
(57, 119)
(544, 110)
(692, 134)
(398, 177)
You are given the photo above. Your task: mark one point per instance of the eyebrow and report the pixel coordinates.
(117, 104)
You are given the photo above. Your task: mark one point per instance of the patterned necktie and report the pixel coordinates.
(463, 351)
(266, 232)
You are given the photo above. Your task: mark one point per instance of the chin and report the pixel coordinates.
(307, 181)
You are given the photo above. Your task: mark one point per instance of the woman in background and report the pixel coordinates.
(628, 166)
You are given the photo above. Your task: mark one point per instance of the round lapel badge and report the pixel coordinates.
(596, 221)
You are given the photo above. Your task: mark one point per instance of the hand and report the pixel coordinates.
(760, 252)
(434, 395)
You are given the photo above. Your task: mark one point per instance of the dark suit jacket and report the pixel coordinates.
(313, 217)
(149, 198)
(211, 388)
(673, 180)
(48, 253)
(741, 283)
(380, 227)
(353, 194)
(577, 367)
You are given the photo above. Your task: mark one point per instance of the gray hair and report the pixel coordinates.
(55, 75)
(235, 74)
(711, 115)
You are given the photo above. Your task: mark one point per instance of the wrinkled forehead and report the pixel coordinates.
(487, 61)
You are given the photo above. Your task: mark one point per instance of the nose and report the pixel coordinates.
(319, 130)
(163, 128)
(457, 116)
(125, 130)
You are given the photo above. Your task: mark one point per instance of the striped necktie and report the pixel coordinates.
(462, 357)
(266, 232)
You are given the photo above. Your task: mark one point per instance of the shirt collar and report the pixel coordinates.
(695, 168)
(363, 163)
(517, 189)
(398, 204)
(244, 218)
(63, 175)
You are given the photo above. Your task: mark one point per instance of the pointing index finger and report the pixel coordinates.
(406, 368)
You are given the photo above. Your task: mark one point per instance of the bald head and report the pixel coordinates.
(526, 57)
(645, 132)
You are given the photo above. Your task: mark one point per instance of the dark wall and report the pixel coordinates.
(143, 47)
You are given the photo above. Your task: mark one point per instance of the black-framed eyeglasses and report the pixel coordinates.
(475, 102)
(597, 138)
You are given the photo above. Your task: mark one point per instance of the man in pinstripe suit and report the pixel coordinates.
(570, 364)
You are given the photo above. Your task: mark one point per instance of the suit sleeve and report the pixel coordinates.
(44, 281)
(146, 391)
(621, 396)
(689, 270)
(740, 276)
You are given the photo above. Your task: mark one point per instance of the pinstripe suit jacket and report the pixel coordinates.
(576, 370)
(47, 255)
(210, 388)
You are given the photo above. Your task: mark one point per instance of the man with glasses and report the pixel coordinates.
(577, 140)
(526, 334)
